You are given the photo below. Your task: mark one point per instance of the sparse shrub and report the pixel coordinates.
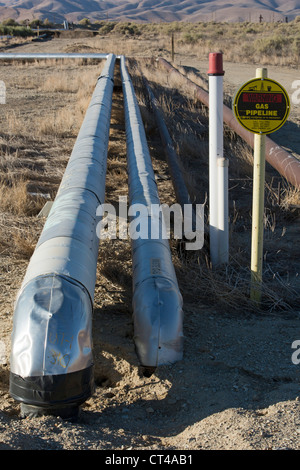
(36, 22)
(106, 28)
(10, 22)
(190, 38)
(48, 23)
(274, 45)
(296, 45)
(20, 31)
(129, 29)
(84, 22)
(173, 27)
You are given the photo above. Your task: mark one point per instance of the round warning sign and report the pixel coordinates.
(261, 105)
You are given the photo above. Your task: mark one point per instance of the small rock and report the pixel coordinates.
(150, 410)
(171, 401)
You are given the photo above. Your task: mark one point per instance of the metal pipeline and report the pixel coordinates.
(181, 191)
(51, 55)
(180, 188)
(285, 163)
(157, 302)
(51, 355)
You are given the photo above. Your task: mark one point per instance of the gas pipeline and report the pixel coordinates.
(51, 352)
(157, 301)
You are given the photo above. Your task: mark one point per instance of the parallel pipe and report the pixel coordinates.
(51, 55)
(176, 171)
(285, 163)
(51, 354)
(182, 194)
(157, 302)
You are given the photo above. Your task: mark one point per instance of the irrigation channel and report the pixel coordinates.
(51, 353)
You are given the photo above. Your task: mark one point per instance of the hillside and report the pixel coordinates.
(151, 10)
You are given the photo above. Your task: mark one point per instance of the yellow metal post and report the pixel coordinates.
(258, 209)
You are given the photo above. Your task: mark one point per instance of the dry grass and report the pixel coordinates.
(228, 286)
(273, 43)
(61, 118)
(16, 199)
(60, 123)
(24, 243)
(14, 122)
(33, 136)
(241, 158)
(290, 197)
(67, 121)
(59, 82)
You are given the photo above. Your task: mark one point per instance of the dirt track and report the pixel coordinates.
(236, 387)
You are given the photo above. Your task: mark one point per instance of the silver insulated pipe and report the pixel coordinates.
(51, 55)
(51, 354)
(157, 302)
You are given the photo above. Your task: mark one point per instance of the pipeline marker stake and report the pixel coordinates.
(218, 165)
(257, 216)
(261, 106)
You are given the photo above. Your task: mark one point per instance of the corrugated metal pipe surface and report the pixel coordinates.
(157, 302)
(51, 354)
(285, 163)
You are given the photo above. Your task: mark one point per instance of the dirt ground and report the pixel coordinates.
(237, 387)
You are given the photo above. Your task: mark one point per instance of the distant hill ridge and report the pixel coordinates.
(150, 10)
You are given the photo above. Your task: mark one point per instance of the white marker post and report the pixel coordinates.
(218, 165)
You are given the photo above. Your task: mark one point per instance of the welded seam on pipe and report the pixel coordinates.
(157, 302)
(51, 354)
(282, 161)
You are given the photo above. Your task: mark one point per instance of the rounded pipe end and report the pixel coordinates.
(56, 395)
(158, 323)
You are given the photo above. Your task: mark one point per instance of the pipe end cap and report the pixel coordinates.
(67, 412)
(215, 66)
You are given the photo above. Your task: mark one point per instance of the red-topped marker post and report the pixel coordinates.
(218, 165)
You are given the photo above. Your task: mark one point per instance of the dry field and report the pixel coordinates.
(236, 387)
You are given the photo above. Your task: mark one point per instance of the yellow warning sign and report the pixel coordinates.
(261, 105)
